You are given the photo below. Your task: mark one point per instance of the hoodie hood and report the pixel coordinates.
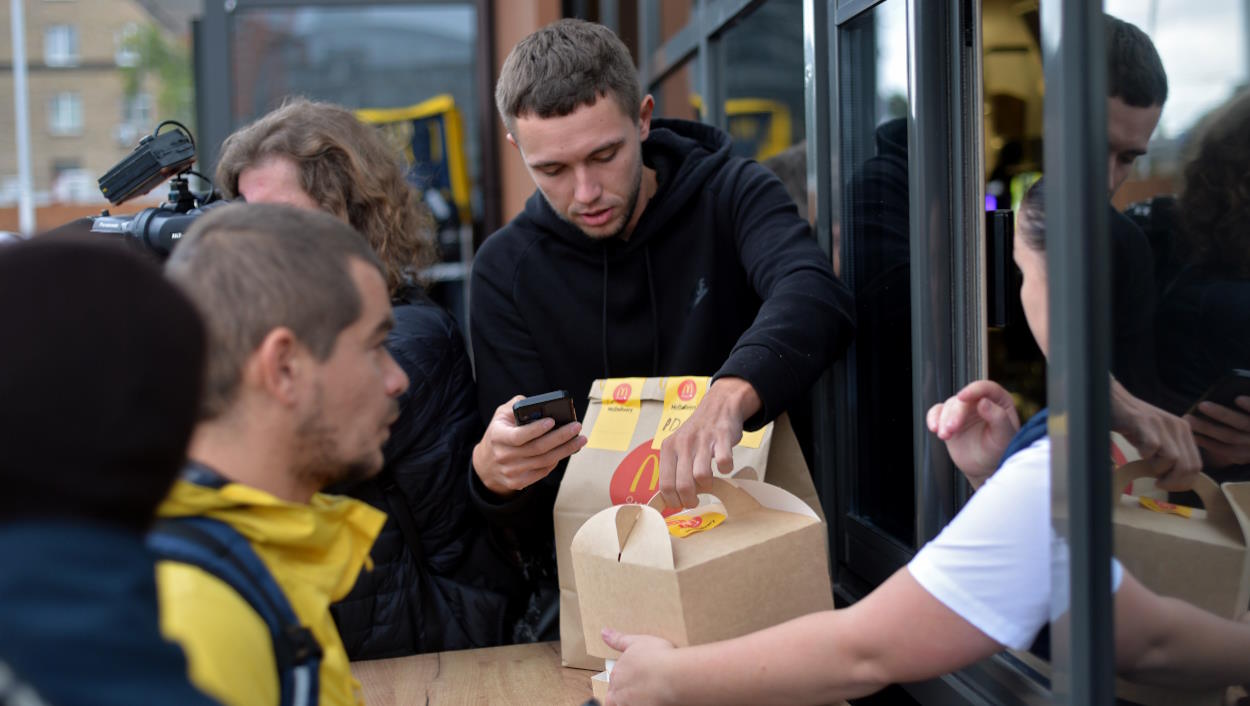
(315, 551)
(684, 155)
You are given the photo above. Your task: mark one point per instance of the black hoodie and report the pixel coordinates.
(719, 277)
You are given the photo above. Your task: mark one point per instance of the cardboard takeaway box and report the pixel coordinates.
(625, 421)
(1196, 555)
(759, 562)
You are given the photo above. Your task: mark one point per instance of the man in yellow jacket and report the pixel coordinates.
(299, 395)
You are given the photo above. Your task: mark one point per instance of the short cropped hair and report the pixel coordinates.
(349, 170)
(252, 268)
(1135, 72)
(564, 66)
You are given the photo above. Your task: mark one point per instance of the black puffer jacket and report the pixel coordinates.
(463, 596)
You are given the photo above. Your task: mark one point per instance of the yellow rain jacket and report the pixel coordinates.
(314, 552)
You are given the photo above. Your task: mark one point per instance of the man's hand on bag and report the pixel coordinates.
(511, 457)
(707, 437)
(638, 679)
(977, 425)
(1163, 439)
(1223, 433)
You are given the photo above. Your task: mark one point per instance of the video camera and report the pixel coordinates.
(157, 157)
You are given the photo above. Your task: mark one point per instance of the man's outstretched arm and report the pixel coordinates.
(898, 633)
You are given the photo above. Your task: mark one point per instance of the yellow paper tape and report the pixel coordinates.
(1166, 507)
(681, 396)
(753, 439)
(618, 414)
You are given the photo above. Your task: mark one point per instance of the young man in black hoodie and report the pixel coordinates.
(647, 250)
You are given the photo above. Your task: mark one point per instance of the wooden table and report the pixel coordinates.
(516, 674)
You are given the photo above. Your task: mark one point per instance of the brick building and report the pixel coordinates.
(81, 119)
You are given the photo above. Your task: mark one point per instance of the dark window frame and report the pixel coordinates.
(948, 317)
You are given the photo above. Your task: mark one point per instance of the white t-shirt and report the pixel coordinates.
(993, 564)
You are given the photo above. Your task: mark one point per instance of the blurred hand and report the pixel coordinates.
(708, 436)
(638, 678)
(1237, 695)
(977, 424)
(1163, 439)
(510, 457)
(1223, 433)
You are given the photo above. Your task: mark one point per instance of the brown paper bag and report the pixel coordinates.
(620, 465)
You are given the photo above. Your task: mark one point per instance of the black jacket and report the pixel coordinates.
(720, 277)
(460, 598)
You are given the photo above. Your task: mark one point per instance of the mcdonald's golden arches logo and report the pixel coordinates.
(637, 477)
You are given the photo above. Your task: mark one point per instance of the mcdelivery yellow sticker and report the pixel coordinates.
(685, 525)
(618, 415)
(1166, 507)
(681, 396)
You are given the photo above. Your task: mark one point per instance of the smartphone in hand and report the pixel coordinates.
(1232, 385)
(557, 405)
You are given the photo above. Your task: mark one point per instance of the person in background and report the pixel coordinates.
(100, 377)
(982, 585)
(1204, 312)
(1137, 88)
(440, 581)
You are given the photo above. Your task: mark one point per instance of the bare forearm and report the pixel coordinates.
(1190, 648)
(798, 662)
(898, 633)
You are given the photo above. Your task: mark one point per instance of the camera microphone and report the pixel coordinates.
(157, 229)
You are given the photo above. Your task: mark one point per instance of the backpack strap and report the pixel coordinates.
(219, 549)
(1032, 430)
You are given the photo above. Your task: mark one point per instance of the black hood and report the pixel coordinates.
(685, 156)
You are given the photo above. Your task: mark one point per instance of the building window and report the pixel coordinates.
(136, 119)
(65, 114)
(61, 166)
(126, 45)
(60, 45)
(137, 109)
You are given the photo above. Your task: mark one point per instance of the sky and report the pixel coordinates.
(1202, 43)
(1203, 47)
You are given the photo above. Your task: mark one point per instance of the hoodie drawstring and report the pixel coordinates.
(655, 317)
(604, 251)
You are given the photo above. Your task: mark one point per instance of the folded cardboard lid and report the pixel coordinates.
(738, 532)
(1130, 513)
(1222, 524)
(755, 512)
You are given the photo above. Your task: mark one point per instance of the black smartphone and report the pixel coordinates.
(558, 405)
(1234, 384)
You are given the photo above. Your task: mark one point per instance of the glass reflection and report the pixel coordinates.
(763, 78)
(360, 57)
(874, 151)
(1187, 194)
